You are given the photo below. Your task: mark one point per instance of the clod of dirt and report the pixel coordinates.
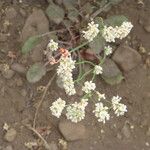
(126, 131)
(127, 58)
(53, 146)
(111, 73)
(3, 37)
(19, 68)
(10, 135)
(36, 24)
(8, 74)
(11, 13)
(147, 28)
(72, 131)
(9, 147)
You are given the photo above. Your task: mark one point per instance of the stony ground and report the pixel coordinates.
(19, 99)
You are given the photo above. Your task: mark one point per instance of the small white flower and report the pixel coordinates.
(88, 86)
(52, 45)
(109, 33)
(76, 111)
(92, 31)
(57, 107)
(98, 69)
(64, 71)
(101, 112)
(118, 107)
(108, 50)
(100, 96)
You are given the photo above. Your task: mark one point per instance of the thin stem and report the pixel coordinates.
(100, 10)
(78, 47)
(88, 62)
(47, 33)
(84, 75)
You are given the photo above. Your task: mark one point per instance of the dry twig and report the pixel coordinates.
(41, 101)
(46, 145)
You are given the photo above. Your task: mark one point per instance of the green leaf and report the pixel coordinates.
(30, 44)
(73, 15)
(115, 1)
(55, 13)
(113, 80)
(87, 8)
(35, 72)
(97, 44)
(69, 4)
(115, 20)
(111, 73)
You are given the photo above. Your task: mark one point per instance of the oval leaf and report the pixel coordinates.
(55, 13)
(97, 45)
(115, 20)
(36, 72)
(29, 44)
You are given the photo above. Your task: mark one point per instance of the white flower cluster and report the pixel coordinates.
(101, 112)
(111, 33)
(92, 31)
(88, 86)
(76, 111)
(100, 96)
(98, 69)
(108, 50)
(52, 45)
(64, 71)
(57, 107)
(118, 107)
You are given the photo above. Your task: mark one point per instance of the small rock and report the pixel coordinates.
(9, 147)
(72, 131)
(3, 37)
(23, 92)
(53, 146)
(147, 28)
(8, 74)
(126, 131)
(119, 136)
(10, 135)
(18, 68)
(127, 58)
(111, 73)
(36, 24)
(11, 13)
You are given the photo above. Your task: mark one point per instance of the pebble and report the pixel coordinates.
(23, 92)
(10, 135)
(8, 74)
(147, 28)
(126, 131)
(72, 131)
(127, 58)
(19, 68)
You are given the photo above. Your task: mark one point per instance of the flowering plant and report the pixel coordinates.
(76, 111)
(67, 59)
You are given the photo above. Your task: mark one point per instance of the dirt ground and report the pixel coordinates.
(18, 98)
